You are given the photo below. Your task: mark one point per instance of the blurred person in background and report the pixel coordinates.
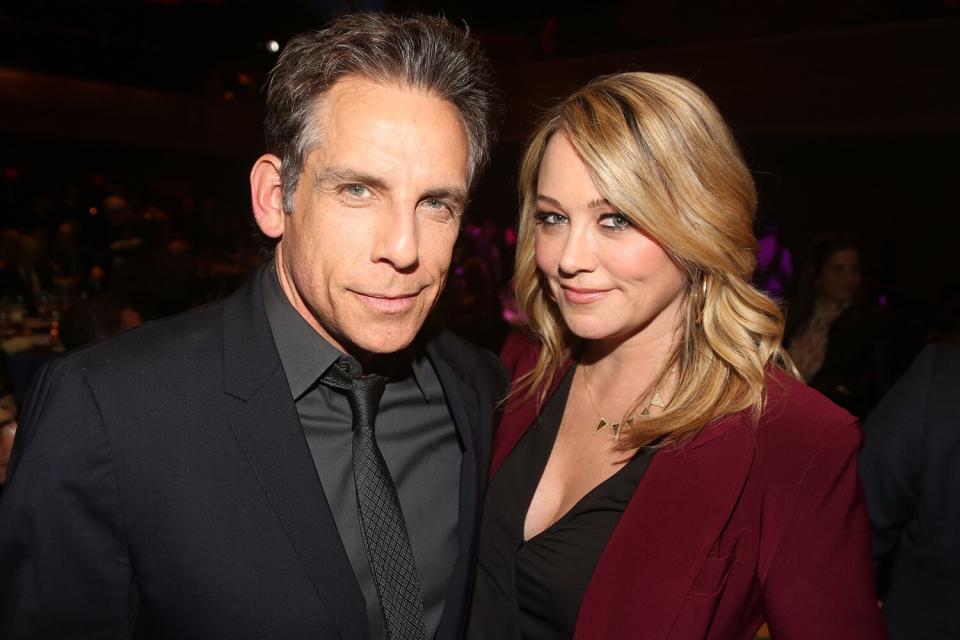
(8, 419)
(93, 319)
(835, 336)
(910, 467)
(21, 279)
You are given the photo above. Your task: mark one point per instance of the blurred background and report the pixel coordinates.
(127, 130)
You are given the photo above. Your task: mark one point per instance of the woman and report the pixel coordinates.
(659, 472)
(833, 336)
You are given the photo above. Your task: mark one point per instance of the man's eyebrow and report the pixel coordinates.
(335, 175)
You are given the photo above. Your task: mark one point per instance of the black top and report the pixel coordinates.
(415, 434)
(533, 589)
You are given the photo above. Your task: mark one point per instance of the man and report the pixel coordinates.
(217, 474)
(910, 466)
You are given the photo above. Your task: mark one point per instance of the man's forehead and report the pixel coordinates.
(357, 98)
(357, 85)
(365, 126)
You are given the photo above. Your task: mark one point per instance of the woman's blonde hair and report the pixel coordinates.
(659, 152)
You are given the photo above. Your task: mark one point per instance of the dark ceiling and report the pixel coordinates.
(220, 47)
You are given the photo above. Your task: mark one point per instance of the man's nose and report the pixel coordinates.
(397, 241)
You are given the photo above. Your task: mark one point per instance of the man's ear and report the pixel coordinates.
(266, 193)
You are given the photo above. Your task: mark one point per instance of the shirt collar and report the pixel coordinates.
(305, 354)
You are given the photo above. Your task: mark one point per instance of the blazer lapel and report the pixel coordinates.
(267, 428)
(464, 409)
(656, 551)
(517, 418)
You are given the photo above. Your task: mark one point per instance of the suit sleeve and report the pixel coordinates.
(892, 458)
(820, 581)
(64, 568)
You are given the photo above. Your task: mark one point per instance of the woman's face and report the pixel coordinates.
(840, 276)
(610, 280)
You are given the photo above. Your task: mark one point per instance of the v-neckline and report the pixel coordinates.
(561, 396)
(576, 506)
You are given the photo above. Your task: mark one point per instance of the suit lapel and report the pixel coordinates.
(268, 430)
(676, 514)
(464, 409)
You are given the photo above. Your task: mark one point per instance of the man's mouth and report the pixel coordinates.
(388, 303)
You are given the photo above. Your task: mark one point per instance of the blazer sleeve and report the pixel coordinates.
(64, 568)
(820, 580)
(892, 458)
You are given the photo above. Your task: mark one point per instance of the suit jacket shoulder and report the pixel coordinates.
(187, 342)
(470, 360)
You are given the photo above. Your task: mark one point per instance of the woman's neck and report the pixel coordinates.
(640, 358)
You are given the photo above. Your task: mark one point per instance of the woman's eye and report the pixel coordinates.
(549, 218)
(615, 221)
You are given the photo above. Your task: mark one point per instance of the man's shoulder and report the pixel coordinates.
(942, 359)
(452, 342)
(469, 359)
(175, 341)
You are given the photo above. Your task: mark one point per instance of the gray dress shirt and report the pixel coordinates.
(415, 433)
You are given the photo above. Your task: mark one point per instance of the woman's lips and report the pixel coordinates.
(583, 296)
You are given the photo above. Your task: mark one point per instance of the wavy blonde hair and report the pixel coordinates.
(659, 151)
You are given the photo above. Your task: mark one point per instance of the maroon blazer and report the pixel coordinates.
(743, 524)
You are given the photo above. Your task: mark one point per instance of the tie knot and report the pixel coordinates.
(363, 392)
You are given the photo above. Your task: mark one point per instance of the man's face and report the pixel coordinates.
(365, 253)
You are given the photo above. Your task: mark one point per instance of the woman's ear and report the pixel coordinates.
(266, 194)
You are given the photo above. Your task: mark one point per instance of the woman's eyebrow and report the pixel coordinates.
(599, 203)
(550, 200)
(593, 204)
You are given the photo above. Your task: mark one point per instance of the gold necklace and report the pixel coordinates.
(616, 427)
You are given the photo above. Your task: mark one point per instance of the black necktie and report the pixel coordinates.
(381, 519)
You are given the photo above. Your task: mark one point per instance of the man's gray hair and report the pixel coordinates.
(425, 52)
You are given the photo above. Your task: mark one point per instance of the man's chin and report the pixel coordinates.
(390, 340)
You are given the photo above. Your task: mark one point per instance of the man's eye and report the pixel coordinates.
(356, 190)
(439, 209)
(615, 221)
(549, 218)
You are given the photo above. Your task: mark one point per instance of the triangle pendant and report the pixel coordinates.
(657, 401)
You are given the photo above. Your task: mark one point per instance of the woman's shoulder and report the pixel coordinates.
(798, 421)
(520, 353)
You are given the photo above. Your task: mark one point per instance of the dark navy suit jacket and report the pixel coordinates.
(161, 486)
